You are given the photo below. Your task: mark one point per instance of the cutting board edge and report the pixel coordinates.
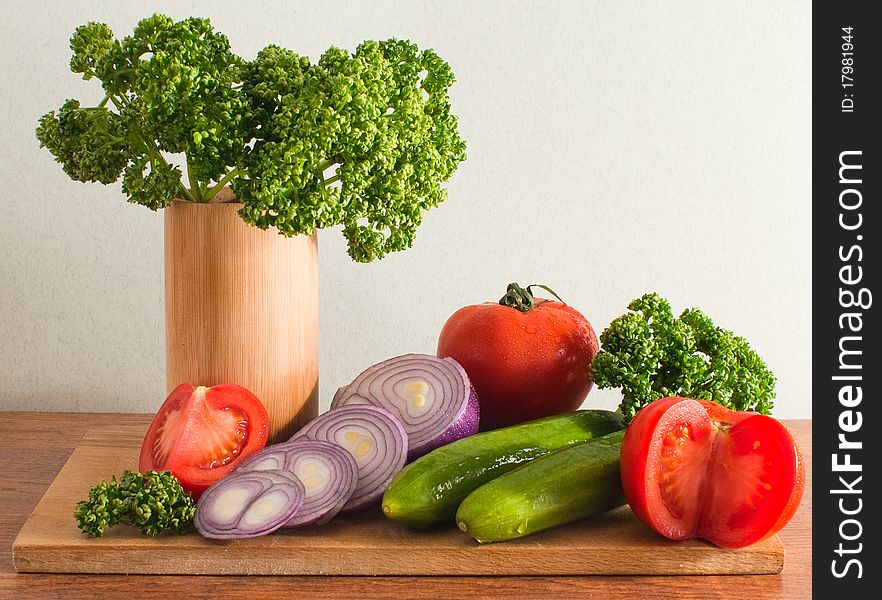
(205, 564)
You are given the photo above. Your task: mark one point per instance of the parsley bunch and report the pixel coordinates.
(363, 140)
(152, 502)
(650, 354)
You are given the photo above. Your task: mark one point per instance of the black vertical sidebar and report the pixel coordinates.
(846, 229)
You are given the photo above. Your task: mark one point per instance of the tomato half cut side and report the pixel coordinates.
(696, 469)
(662, 463)
(201, 433)
(757, 483)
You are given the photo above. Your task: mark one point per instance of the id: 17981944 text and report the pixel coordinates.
(847, 104)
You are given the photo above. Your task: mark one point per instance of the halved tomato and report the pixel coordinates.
(697, 469)
(200, 434)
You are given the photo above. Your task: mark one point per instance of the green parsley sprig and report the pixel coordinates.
(650, 354)
(152, 502)
(364, 140)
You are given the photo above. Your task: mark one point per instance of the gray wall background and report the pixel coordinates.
(614, 148)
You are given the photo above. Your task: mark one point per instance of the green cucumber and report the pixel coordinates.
(428, 491)
(558, 488)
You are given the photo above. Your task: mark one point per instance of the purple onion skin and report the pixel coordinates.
(465, 426)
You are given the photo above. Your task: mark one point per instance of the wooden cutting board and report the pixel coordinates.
(615, 543)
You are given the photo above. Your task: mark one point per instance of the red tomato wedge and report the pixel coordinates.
(697, 469)
(201, 434)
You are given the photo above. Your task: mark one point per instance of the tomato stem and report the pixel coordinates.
(522, 298)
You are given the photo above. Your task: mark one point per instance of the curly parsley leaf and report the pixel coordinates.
(650, 354)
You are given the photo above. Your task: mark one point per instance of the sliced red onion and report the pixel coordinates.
(340, 391)
(328, 473)
(375, 439)
(247, 504)
(432, 397)
(351, 399)
(271, 458)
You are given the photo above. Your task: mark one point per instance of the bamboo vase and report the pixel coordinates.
(241, 306)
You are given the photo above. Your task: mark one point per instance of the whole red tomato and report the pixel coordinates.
(696, 469)
(527, 357)
(201, 434)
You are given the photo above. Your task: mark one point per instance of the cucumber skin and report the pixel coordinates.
(429, 490)
(564, 486)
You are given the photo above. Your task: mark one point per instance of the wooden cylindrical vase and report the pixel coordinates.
(241, 306)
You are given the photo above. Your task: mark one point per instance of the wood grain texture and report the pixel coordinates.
(241, 306)
(36, 444)
(614, 543)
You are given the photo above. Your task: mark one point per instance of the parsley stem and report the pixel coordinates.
(235, 172)
(324, 165)
(194, 183)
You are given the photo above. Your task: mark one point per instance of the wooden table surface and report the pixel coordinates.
(34, 446)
